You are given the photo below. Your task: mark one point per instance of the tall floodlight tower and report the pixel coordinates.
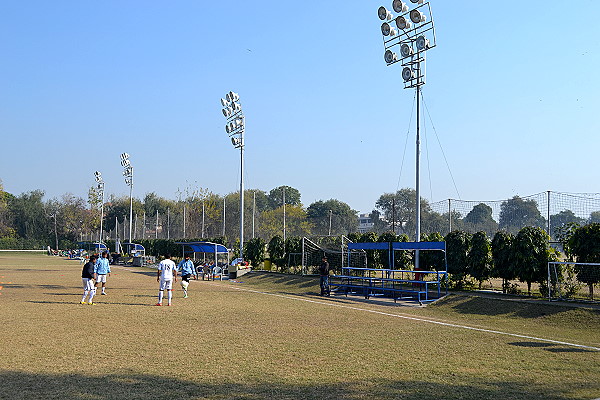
(128, 174)
(234, 126)
(413, 35)
(100, 187)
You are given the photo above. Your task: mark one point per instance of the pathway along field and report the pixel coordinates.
(230, 340)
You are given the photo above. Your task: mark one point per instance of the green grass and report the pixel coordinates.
(227, 343)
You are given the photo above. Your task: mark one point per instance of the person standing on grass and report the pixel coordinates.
(324, 276)
(101, 269)
(166, 275)
(87, 276)
(186, 269)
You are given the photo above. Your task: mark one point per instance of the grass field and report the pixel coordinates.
(269, 336)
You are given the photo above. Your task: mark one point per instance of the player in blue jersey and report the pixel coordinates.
(186, 269)
(101, 270)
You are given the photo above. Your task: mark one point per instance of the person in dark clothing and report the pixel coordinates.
(324, 276)
(87, 277)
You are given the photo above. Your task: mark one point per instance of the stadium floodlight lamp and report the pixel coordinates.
(224, 103)
(417, 16)
(399, 6)
(406, 50)
(416, 1)
(407, 74)
(390, 56)
(422, 43)
(385, 29)
(402, 23)
(384, 14)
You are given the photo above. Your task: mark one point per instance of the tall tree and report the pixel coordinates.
(458, 244)
(399, 210)
(29, 215)
(480, 219)
(502, 256)
(480, 257)
(585, 246)
(517, 213)
(532, 252)
(563, 218)
(343, 218)
(292, 196)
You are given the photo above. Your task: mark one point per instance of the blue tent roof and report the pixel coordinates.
(205, 247)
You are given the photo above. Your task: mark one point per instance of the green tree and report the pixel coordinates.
(480, 219)
(480, 257)
(517, 213)
(585, 246)
(594, 217)
(432, 259)
(532, 252)
(502, 255)
(276, 249)
(343, 218)
(254, 251)
(28, 216)
(563, 218)
(458, 244)
(292, 196)
(399, 210)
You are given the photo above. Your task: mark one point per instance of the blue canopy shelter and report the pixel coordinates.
(205, 247)
(134, 249)
(93, 246)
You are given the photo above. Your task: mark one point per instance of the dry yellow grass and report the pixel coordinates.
(226, 343)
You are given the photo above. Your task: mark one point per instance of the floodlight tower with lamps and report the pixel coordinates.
(415, 34)
(100, 186)
(128, 174)
(234, 126)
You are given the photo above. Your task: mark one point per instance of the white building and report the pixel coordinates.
(365, 223)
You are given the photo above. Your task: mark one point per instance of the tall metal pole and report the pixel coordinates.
(223, 216)
(101, 214)
(144, 227)
(284, 214)
(202, 219)
(330, 212)
(418, 188)
(156, 226)
(242, 196)
(130, 205)
(253, 211)
(168, 223)
(135, 226)
(184, 220)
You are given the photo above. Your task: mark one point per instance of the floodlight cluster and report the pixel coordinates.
(99, 180)
(127, 169)
(234, 125)
(413, 33)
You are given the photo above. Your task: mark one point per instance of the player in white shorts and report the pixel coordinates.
(166, 275)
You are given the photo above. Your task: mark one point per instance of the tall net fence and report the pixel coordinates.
(547, 210)
(335, 248)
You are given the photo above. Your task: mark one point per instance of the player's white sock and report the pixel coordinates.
(92, 294)
(103, 289)
(170, 295)
(85, 293)
(160, 296)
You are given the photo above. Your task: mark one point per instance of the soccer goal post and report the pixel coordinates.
(572, 280)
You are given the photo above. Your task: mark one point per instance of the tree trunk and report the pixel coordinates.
(591, 286)
(529, 289)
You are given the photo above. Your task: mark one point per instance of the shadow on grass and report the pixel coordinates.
(494, 307)
(552, 347)
(131, 386)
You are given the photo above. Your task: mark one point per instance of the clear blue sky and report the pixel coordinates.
(512, 89)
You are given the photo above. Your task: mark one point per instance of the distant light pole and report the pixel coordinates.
(128, 174)
(413, 39)
(100, 186)
(235, 127)
(284, 232)
(330, 212)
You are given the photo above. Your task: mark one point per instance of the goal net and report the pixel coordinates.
(335, 248)
(573, 280)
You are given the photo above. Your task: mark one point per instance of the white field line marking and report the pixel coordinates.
(418, 319)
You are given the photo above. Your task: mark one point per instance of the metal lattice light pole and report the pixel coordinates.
(100, 186)
(235, 126)
(415, 34)
(128, 174)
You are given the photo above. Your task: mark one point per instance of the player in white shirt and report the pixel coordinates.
(166, 275)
